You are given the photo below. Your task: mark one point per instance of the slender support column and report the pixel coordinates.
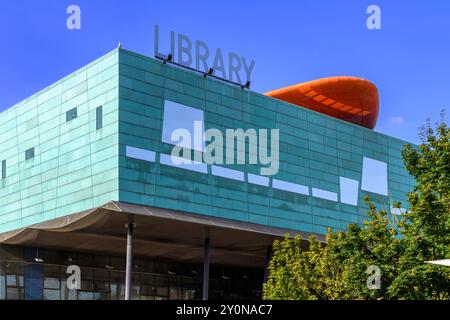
(206, 269)
(129, 262)
(267, 263)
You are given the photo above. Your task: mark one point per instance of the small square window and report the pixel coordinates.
(71, 114)
(29, 154)
(99, 118)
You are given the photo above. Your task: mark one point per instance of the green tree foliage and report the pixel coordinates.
(398, 246)
(426, 227)
(339, 269)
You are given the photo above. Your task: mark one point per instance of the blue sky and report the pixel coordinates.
(291, 42)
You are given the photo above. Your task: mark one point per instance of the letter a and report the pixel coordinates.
(374, 20)
(74, 280)
(74, 20)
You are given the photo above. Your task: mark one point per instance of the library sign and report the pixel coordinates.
(196, 54)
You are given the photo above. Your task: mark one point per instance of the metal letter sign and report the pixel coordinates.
(196, 54)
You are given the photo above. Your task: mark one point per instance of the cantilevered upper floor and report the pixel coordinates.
(103, 134)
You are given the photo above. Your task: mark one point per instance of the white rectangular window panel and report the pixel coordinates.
(291, 187)
(185, 123)
(141, 154)
(349, 190)
(323, 194)
(374, 176)
(227, 173)
(259, 180)
(397, 211)
(181, 163)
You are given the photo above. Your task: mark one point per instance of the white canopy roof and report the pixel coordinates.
(443, 262)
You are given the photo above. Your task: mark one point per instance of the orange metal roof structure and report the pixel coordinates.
(347, 98)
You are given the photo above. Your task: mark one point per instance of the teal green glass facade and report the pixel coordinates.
(77, 166)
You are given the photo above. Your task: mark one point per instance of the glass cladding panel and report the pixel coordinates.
(374, 176)
(3, 169)
(2, 281)
(188, 294)
(323, 194)
(51, 294)
(29, 153)
(12, 280)
(51, 283)
(172, 280)
(259, 180)
(397, 211)
(14, 294)
(99, 118)
(85, 295)
(190, 120)
(289, 186)
(140, 154)
(349, 190)
(71, 114)
(117, 291)
(183, 163)
(227, 173)
(67, 294)
(176, 293)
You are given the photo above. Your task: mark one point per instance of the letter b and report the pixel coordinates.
(184, 48)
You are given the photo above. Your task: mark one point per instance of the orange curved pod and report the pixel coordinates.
(347, 98)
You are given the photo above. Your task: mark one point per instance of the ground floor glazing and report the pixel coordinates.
(37, 273)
